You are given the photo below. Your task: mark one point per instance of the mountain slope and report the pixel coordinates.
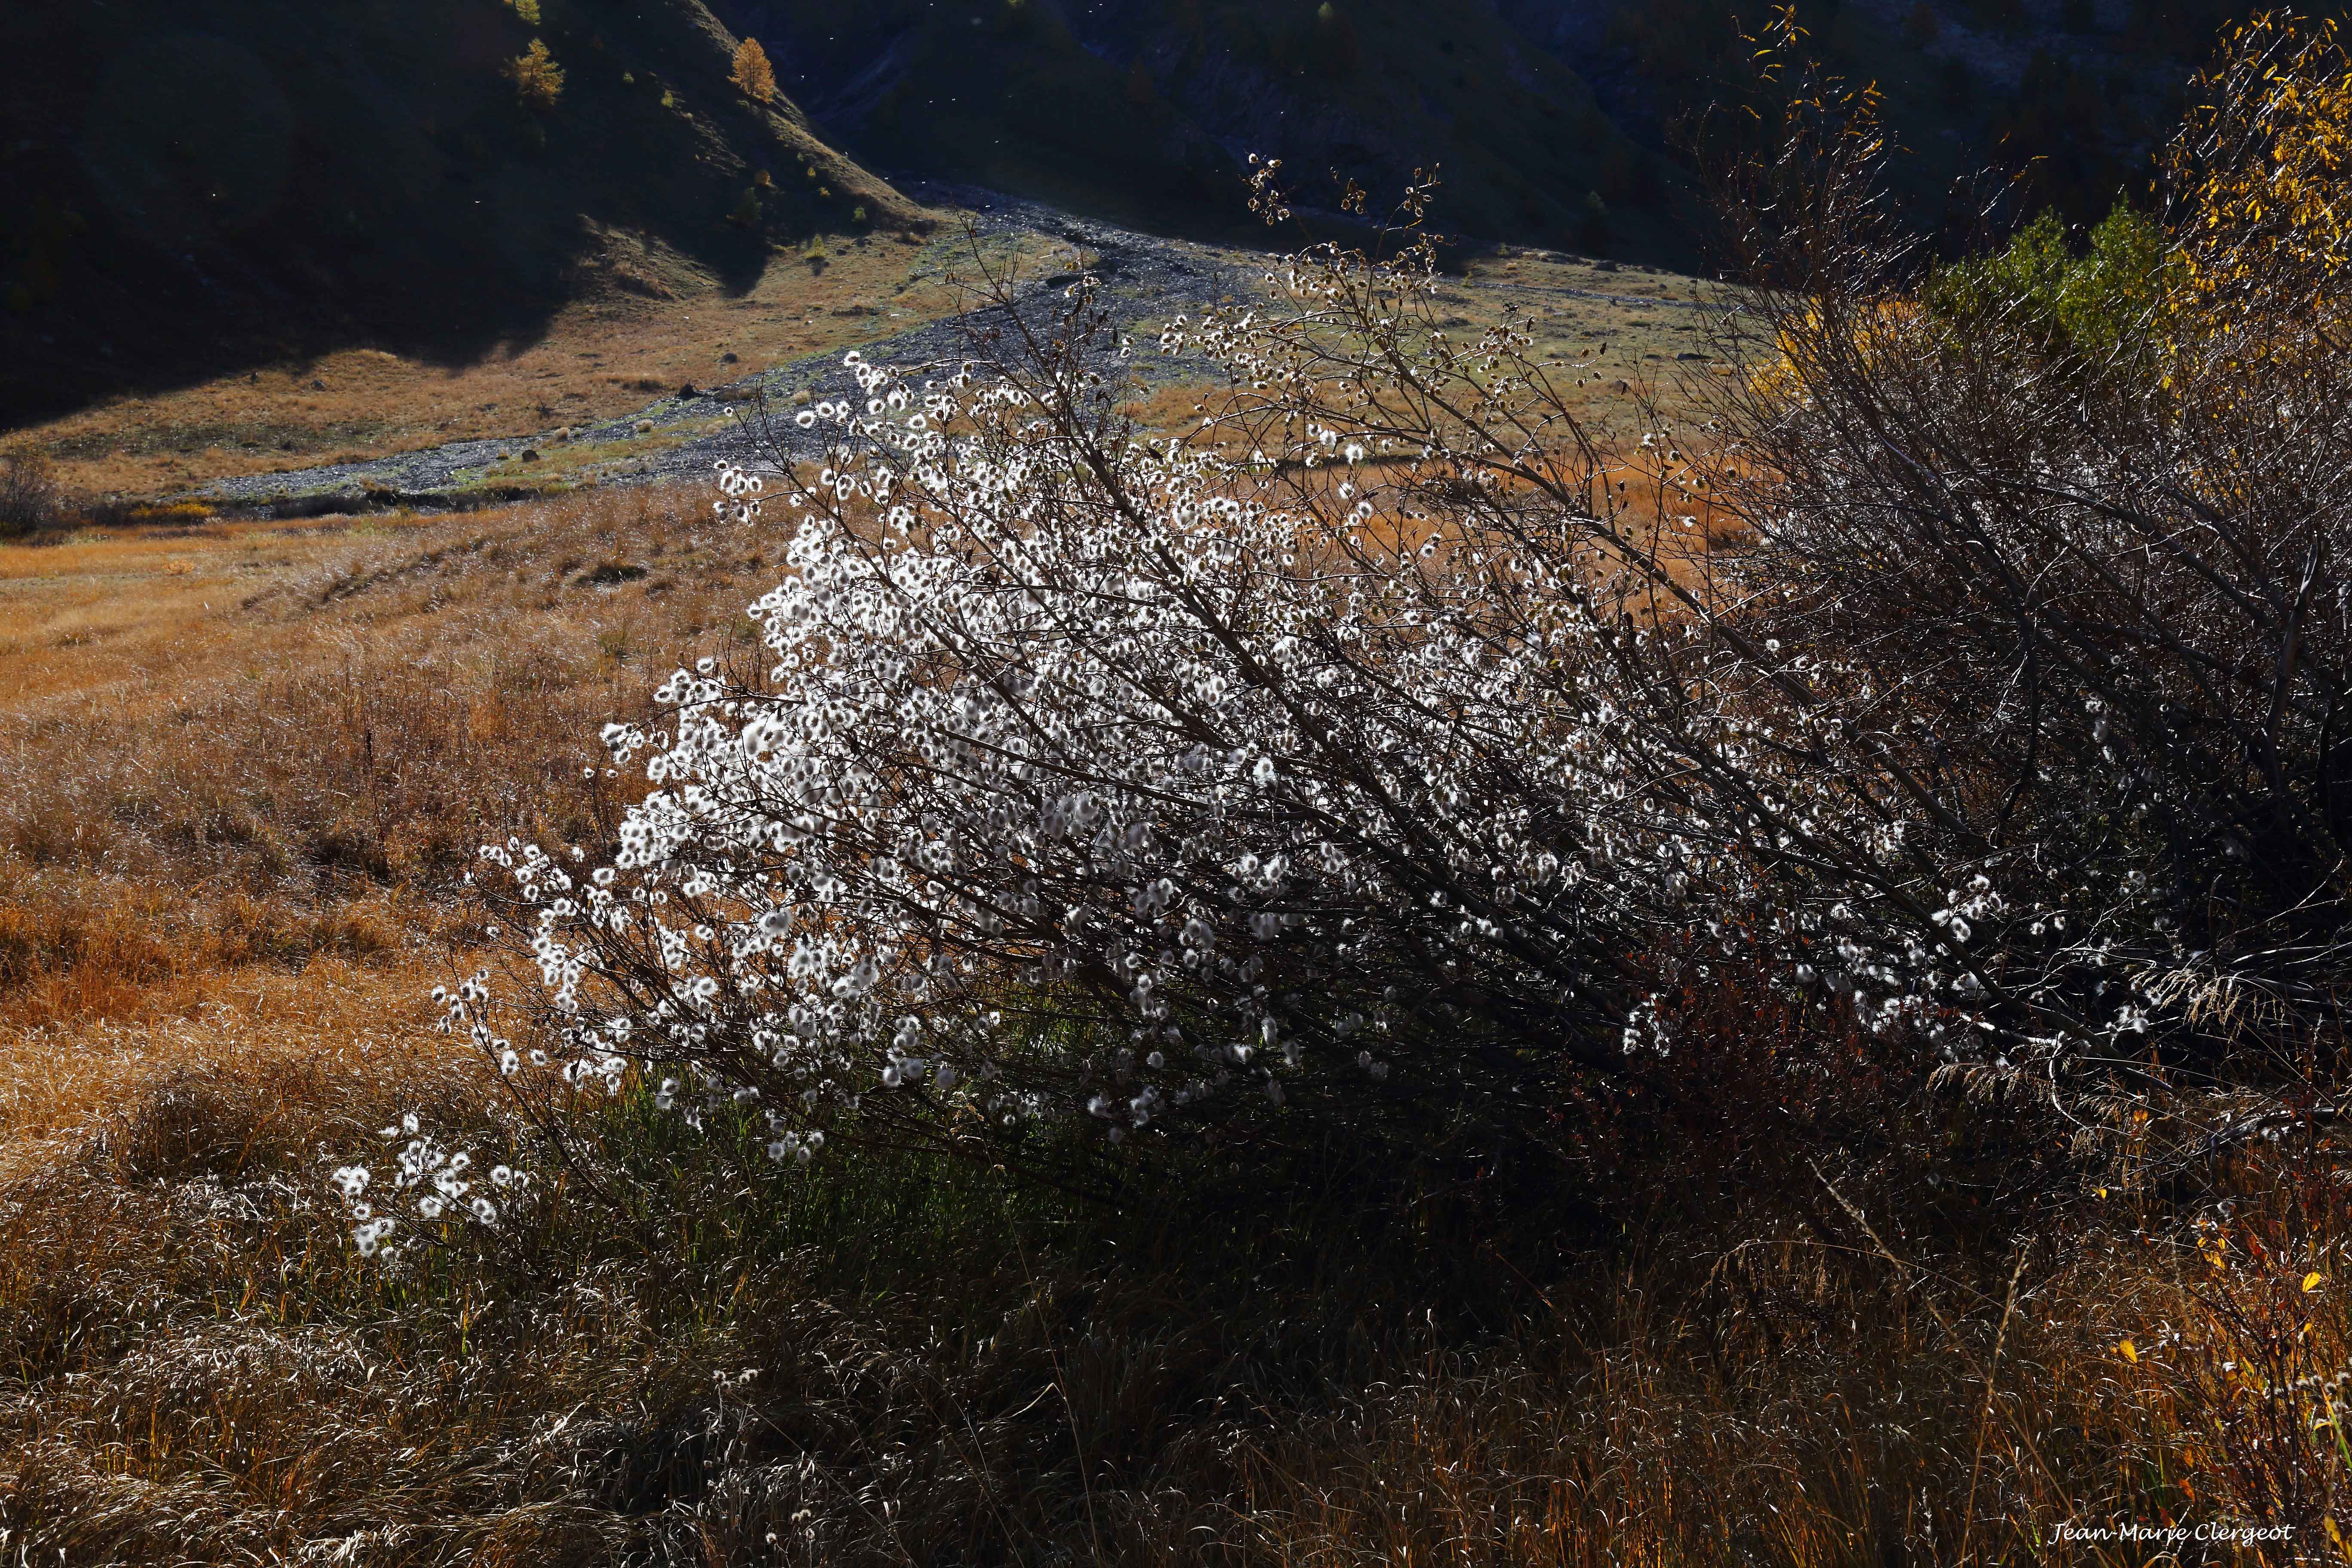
(2065, 101)
(1555, 122)
(185, 191)
(188, 191)
(1146, 110)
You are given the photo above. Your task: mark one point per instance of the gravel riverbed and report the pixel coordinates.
(683, 435)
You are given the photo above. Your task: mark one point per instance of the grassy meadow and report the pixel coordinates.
(1779, 839)
(251, 762)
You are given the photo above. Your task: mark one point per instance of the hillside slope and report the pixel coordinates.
(1560, 123)
(185, 195)
(182, 194)
(1146, 110)
(2065, 102)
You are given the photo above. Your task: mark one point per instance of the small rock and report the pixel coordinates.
(686, 389)
(531, 455)
(727, 358)
(644, 427)
(317, 386)
(1688, 354)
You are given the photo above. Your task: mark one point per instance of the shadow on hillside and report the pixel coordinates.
(181, 205)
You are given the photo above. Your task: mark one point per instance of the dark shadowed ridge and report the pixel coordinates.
(1563, 123)
(185, 192)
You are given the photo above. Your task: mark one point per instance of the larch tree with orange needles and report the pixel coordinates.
(752, 74)
(538, 79)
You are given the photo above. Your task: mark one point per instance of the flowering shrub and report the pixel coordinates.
(2071, 617)
(1095, 775)
(1397, 750)
(437, 1176)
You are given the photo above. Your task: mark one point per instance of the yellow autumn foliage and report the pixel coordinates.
(2253, 258)
(2265, 164)
(753, 73)
(538, 79)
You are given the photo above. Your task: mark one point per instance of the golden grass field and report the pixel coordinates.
(249, 763)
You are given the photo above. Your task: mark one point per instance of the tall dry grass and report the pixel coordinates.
(249, 765)
(245, 743)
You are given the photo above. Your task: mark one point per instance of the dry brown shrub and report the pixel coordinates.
(30, 497)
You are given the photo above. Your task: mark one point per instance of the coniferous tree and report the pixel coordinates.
(539, 81)
(753, 73)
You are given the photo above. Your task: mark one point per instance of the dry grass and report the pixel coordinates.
(247, 741)
(1626, 360)
(252, 761)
